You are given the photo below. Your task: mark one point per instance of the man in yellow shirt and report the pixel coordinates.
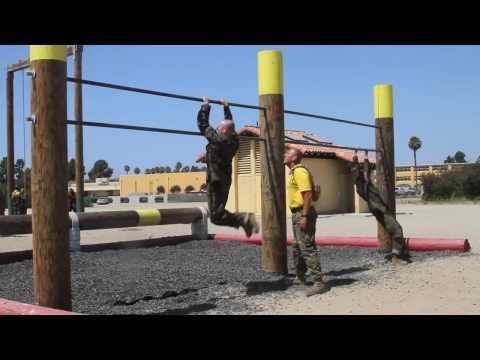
(304, 218)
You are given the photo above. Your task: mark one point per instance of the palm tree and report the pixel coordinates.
(414, 144)
(126, 168)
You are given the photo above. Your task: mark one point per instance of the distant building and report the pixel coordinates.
(152, 183)
(405, 175)
(99, 188)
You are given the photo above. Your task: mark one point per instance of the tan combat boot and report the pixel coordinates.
(250, 224)
(319, 287)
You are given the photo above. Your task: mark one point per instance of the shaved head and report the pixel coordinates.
(226, 126)
(292, 156)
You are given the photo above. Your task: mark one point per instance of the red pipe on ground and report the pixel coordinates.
(8, 307)
(413, 244)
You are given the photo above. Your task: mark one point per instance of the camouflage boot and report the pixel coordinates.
(300, 279)
(250, 224)
(319, 287)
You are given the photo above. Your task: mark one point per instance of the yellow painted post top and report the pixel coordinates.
(383, 101)
(48, 52)
(270, 72)
(148, 217)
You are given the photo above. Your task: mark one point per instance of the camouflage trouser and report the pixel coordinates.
(217, 199)
(305, 254)
(388, 221)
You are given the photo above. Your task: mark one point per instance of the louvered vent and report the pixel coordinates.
(257, 157)
(244, 158)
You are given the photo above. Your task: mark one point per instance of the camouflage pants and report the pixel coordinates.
(217, 200)
(388, 221)
(305, 253)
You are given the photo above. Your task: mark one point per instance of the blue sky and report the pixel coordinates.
(435, 93)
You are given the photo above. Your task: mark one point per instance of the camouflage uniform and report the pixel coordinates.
(384, 215)
(220, 151)
(304, 248)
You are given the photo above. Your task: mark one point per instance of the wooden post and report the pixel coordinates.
(79, 175)
(274, 229)
(10, 143)
(50, 220)
(384, 140)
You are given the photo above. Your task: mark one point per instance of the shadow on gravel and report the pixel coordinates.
(188, 310)
(349, 270)
(341, 282)
(165, 295)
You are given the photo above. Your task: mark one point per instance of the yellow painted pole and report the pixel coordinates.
(274, 230)
(385, 166)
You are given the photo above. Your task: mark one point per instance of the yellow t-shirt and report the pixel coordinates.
(298, 182)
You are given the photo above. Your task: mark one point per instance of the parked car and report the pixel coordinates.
(159, 199)
(400, 191)
(103, 201)
(411, 191)
(143, 199)
(124, 200)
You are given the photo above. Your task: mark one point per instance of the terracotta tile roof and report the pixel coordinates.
(310, 150)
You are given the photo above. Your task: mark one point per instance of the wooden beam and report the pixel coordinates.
(78, 100)
(385, 161)
(10, 143)
(274, 215)
(51, 258)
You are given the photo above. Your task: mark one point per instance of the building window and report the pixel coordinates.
(422, 168)
(403, 168)
(244, 158)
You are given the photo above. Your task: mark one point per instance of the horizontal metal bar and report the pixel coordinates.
(147, 129)
(157, 93)
(329, 118)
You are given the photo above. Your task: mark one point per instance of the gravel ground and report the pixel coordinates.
(198, 277)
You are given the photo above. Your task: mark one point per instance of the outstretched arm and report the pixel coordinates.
(226, 110)
(203, 123)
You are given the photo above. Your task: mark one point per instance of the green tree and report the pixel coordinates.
(126, 168)
(415, 144)
(193, 168)
(18, 169)
(100, 170)
(71, 170)
(178, 166)
(478, 160)
(186, 169)
(449, 160)
(167, 169)
(459, 157)
(175, 189)
(137, 171)
(148, 171)
(3, 171)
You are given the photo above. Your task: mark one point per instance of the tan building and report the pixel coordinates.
(405, 175)
(99, 188)
(329, 168)
(151, 183)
